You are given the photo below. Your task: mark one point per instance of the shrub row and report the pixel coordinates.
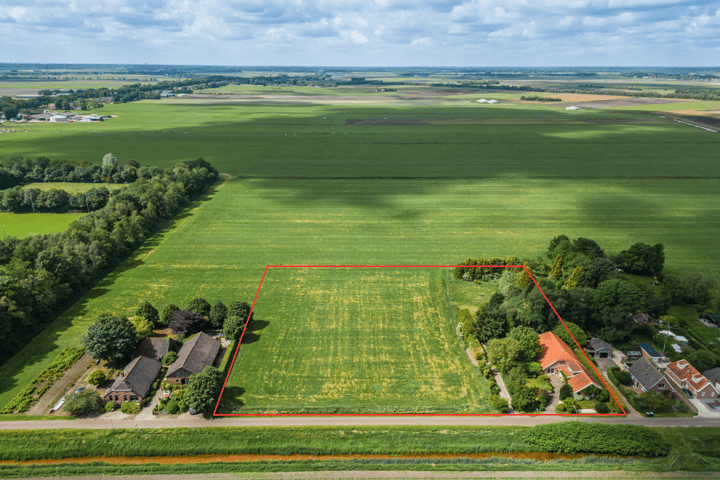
(579, 437)
(29, 396)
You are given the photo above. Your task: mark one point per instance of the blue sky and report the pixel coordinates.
(363, 32)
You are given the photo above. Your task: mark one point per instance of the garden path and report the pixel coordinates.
(42, 407)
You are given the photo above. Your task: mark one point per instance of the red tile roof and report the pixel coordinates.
(688, 374)
(555, 350)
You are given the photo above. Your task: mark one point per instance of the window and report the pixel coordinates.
(661, 385)
(133, 398)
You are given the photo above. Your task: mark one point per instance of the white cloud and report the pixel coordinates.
(364, 32)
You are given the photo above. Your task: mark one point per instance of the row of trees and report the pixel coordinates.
(55, 200)
(586, 287)
(18, 170)
(113, 338)
(41, 275)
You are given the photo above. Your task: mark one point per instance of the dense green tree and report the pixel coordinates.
(167, 314)
(169, 358)
(643, 259)
(146, 310)
(240, 309)
(110, 338)
(576, 331)
(557, 267)
(233, 327)
(218, 313)
(199, 305)
(84, 401)
(503, 353)
(203, 390)
(529, 343)
(703, 360)
(143, 327)
(654, 401)
(614, 304)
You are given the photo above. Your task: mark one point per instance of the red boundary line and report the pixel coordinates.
(237, 348)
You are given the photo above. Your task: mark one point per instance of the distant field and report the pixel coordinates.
(503, 140)
(23, 224)
(72, 187)
(219, 249)
(354, 340)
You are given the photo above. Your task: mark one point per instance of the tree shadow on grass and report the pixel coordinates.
(251, 335)
(230, 399)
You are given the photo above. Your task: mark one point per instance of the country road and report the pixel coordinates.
(286, 421)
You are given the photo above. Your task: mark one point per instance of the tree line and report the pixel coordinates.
(587, 287)
(42, 275)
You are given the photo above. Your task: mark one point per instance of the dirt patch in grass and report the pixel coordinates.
(697, 117)
(185, 459)
(623, 102)
(571, 97)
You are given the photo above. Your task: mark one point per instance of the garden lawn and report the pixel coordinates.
(354, 340)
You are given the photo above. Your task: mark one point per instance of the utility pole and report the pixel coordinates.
(86, 204)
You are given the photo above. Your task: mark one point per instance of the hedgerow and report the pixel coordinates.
(578, 437)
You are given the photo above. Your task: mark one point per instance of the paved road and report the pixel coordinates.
(198, 422)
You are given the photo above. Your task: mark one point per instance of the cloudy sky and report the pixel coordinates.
(363, 32)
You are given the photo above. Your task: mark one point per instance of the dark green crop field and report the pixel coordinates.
(457, 139)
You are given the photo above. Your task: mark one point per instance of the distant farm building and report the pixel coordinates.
(572, 107)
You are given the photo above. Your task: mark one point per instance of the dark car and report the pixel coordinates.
(79, 389)
(649, 414)
(687, 392)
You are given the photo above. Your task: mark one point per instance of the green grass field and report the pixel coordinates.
(354, 340)
(219, 248)
(23, 224)
(497, 180)
(72, 187)
(467, 140)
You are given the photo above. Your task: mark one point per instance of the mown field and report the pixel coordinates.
(497, 180)
(23, 224)
(72, 187)
(354, 340)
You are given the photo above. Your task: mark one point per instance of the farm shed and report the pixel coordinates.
(599, 348)
(572, 107)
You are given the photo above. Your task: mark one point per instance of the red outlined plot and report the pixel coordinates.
(237, 348)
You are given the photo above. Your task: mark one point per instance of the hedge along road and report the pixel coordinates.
(347, 420)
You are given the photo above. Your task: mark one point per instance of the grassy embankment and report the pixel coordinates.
(398, 448)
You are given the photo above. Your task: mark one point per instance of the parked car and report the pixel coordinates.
(687, 392)
(649, 414)
(192, 411)
(79, 389)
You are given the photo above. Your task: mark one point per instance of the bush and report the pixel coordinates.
(110, 406)
(623, 377)
(560, 408)
(84, 401)
(169, 358)
(130, 407)
(603, 396)
(97, 377)
(580, 437)
(570, 405)
(566, 391)
(601, 407)
(499, 404)
(533, 369)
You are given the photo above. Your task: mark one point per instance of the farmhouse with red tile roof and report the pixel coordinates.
(688, 377)
(559, 357)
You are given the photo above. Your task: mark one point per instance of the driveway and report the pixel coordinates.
(557, 384)
(703, 410)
